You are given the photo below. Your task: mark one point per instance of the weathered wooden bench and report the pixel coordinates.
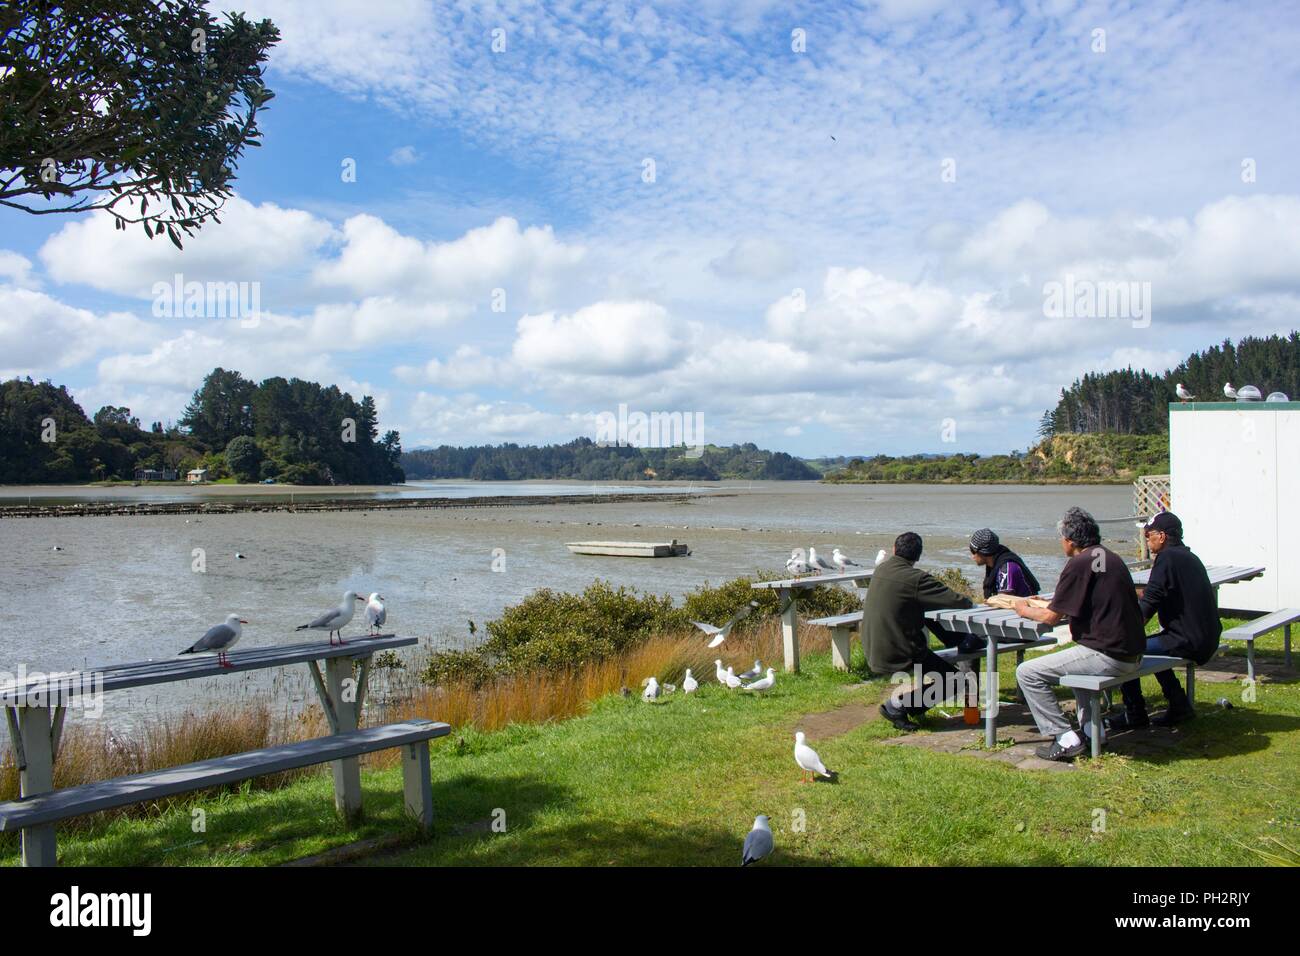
(412, 736)
(1151, 664)
(1260, 626)
(843, 626)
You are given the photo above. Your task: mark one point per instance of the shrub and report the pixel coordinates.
(955, 579)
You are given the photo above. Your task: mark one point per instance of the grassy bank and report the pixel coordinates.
(625, 782)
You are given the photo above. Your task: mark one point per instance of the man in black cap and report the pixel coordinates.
(1180, 593)
(1005, 572)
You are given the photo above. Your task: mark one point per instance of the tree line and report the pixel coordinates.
(285, 430)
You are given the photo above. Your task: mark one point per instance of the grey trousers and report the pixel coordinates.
(1038, 676)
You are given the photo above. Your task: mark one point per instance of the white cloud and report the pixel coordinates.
(404, 156)
(40, 334)
(606, 338)
(759, 259)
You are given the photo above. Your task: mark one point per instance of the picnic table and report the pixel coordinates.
(999, 626)
(788, 589)
(36, 707)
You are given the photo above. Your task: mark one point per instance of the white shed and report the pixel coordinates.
(1234, 468)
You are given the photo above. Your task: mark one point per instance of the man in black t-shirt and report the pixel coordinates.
(1181, 595)
(1095, 591)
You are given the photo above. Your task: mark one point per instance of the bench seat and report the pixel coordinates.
(1260, 626)
(1151, 664)
(43, 809)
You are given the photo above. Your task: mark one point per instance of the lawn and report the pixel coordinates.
(679, 782)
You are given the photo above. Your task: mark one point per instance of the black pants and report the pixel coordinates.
(1134, 700)
(933, 669)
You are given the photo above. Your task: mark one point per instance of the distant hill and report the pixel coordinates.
(585, 460)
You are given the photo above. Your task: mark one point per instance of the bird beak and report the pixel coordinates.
(361, 599)
(242, 621)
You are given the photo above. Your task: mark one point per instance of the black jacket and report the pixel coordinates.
(893, 615)
(1180, 593)
(1004, 556)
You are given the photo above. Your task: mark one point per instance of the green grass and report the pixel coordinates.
(679, 783)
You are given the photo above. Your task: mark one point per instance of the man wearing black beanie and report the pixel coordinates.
(1005, 572)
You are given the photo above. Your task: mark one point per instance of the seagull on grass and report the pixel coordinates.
(767, 683)
(732, 680)
(751, 674)
(689, 683)
(758, 844)
(808, 760)
(220, 638)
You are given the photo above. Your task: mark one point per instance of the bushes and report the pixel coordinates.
(556, 630)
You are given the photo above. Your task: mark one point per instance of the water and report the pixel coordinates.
(124, 588)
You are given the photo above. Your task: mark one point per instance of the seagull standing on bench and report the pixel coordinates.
(842, 561)
(220, 638)
(818, 563)
(376, 613)
(795, 564)
(336, 619)
(808, 760)
(719, 634)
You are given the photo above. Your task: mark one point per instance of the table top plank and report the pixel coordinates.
(170, 670)
(814, 580)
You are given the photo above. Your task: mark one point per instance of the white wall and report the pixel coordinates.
(1233, 468)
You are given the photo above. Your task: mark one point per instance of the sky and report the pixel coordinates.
(826, 228)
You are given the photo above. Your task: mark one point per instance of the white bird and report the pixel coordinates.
(758, 844)
(819, 564)
(842, 560)
(808, 760)
(220, 638)
(720, 672)
(651, 691)
(335, 619)
(732, 680)
(719, 634)
(751, 674)
(376, 613)
(880, 557)
(1229, 391)
(689, 683)
(767, 683)
(1183, 393)
(796, 564)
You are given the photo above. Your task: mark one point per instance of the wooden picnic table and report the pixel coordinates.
(36, 707)
(788, 589)
(996, 625)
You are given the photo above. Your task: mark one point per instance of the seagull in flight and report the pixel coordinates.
(335, 619)
(220, 638)
(720, 634)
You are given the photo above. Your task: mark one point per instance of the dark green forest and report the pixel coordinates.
(286, 430)
(1130, 402)
(586, 460)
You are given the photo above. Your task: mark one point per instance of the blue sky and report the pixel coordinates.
(844, 248)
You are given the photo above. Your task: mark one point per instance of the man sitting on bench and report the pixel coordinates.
(1095, 591)
(1005, 572)
(1180, 593)
(893, 627)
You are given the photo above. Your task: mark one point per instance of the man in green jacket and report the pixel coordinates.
(894, 628)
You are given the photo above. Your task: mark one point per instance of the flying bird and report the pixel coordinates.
(719, 634)
(818, 563)
(758, 844)
(376, 613)
(767, 683)
(1183, 393)
(220, 638)
(1229, 391)
(751, 674)
(842, 561)
(689, 683)
(808, 760)
(335, 619)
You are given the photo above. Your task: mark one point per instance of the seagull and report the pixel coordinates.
(750, 675)
(689, 683)
(1183, 393)
(808, 760)
(796, 564)
(719, 634)
(758, 844)
(239, 556)
(880, 557)
(842, 561)
(651, 691)
(335, 619)
(720, 673)
(1229, 391)
(818, 563)
(220, 638)
(732, 680)
(767, 683)
(376, 613)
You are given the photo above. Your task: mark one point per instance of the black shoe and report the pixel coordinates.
(1127, 721)
(1174, 715)
(1054, 750)
(899, 721)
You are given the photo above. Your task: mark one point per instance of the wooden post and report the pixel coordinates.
(347, 772)
(39, 847)
(416, 787)
(790, 629)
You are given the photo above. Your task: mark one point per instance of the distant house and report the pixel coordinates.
(197, 476)
(155, 474)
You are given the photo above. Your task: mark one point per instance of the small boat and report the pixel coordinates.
(631, 549)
